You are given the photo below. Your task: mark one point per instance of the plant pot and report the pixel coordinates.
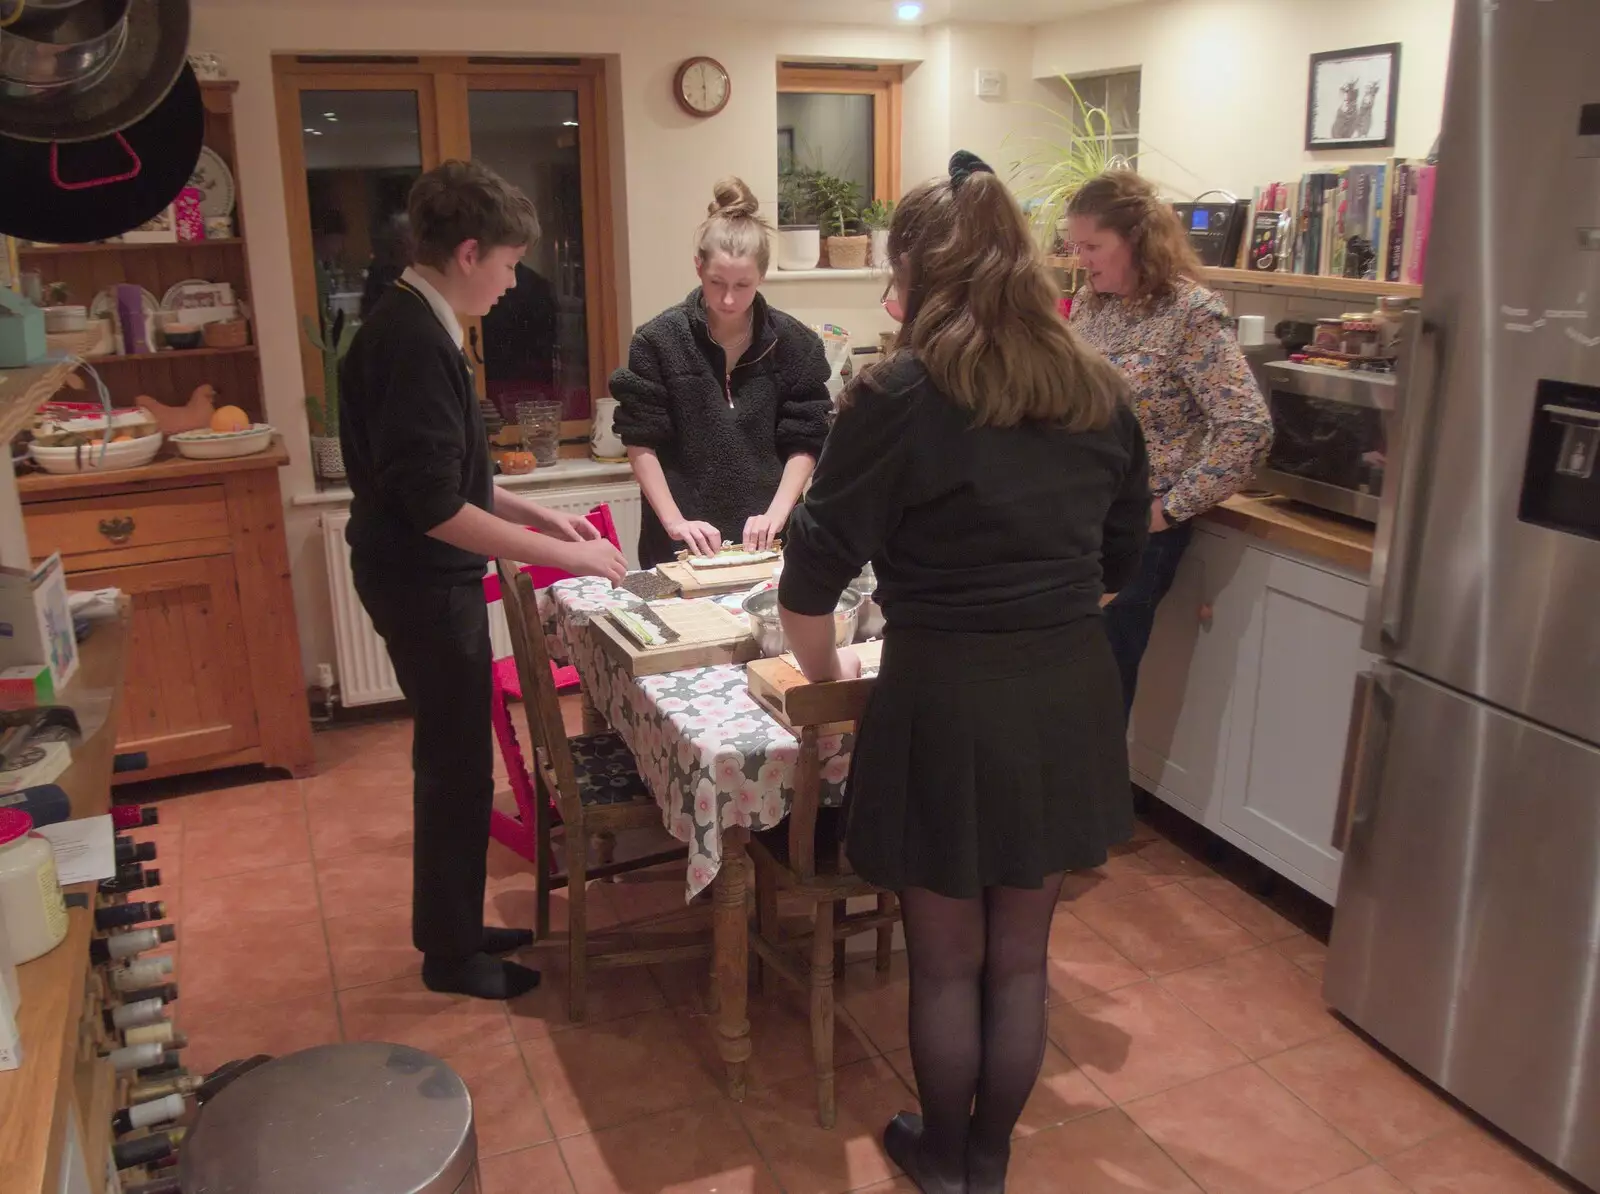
(848, 252)
(327, 457)
(799, 247)
(879, 252)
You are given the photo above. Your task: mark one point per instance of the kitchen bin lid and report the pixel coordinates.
(359, 1118)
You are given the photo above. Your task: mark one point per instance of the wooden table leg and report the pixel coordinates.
(594, 721)
(731, 965)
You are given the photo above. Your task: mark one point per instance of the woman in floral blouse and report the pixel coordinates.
(1206, 426)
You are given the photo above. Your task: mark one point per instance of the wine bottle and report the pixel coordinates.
(126, 945)
(146, 1150)
(148, 1114)
(135, 816)
(142, 972)
(128, 850)
(122, 916)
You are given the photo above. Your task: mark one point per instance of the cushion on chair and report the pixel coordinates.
(606, 770)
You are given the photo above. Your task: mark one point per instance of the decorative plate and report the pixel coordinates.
(214, 181)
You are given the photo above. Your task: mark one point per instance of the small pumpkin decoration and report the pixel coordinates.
(517, 464)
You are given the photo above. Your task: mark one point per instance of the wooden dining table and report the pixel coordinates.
(720, 766)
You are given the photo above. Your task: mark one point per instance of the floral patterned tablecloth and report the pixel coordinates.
(710, 755)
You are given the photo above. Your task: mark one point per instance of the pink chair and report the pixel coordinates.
(520, 833)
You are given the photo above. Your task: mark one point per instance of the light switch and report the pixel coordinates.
(991, 84)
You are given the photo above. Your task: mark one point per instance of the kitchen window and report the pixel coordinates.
(357, 132)
(1117, 95)
(843, 120)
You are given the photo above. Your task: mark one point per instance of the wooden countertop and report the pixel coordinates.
(34, 1098)
(1287, 523)
(167, 469)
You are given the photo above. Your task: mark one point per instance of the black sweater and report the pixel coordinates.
(972, 529)
(722, 445)
(414, 445)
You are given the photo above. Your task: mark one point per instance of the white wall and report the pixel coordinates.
(1223, 86)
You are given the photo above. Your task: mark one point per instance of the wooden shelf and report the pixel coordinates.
(171, 354)
(133, 247)
(1301, 284)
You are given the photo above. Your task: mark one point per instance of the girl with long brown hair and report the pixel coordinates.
(1205, 423)
(992, 472)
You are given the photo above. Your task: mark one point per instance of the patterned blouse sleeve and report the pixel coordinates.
(1238, 431)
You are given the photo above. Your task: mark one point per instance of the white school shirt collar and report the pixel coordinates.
(447, 317)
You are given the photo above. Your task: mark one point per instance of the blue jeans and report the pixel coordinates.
(1131, 616)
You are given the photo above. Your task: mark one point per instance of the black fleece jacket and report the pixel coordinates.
(414, 445)
(722, 444)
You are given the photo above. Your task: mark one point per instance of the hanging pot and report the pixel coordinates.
(53, 47)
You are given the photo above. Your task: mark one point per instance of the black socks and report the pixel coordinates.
(480, 976)
(504, 941)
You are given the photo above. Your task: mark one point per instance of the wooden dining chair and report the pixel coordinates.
(599, 791)
(789, 863)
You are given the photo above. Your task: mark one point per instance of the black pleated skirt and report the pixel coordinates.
(989, 760)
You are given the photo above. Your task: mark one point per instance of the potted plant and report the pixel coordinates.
(799, 237)
(1075, 147)
(876, 217)
(838, 205)
(332, 340)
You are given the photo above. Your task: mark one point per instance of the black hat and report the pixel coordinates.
(156, 48)
(91, 190)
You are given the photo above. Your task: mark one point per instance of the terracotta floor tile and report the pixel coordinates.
(877, 1002)
(1244, 909)
(360, 823)
(361, 748)
(1103, 1154)
(898, 1185)
(643, 894)
(372, 947)
(780, 1032)
(275, 1028)
(229, 847)
(1260, 1001)
(282, 896)
(505, 1109)
(242, 802)
(1139, 1041)
(1469, 1161)
(1306, 952)
(1365, 1095)
(1082, 963)
(405, 1012)
(531, 1171)
(1166, 929)
(1170, 860)
(612, 994)
(355, 883)
(810, 1159)
(688, 1151)
(1242, 1133)
(1063, 1092)
(600, 1075)
(243, 967)
(1374, 1179)
(1120, 875)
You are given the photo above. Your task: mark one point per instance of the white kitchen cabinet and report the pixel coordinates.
(1179, 739)
(1297, 668)
(1244, 701)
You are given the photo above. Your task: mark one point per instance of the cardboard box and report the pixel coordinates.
(36, 621)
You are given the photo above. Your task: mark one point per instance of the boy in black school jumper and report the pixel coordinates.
(425, 520)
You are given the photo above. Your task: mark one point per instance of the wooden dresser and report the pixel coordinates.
(214, 676)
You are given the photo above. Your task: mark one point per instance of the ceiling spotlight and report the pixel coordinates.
(908, 11)
(571, 124)
(330, 116)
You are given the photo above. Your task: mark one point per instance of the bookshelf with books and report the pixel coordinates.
(1302, 285)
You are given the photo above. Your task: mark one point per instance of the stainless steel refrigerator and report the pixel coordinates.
(1467, 934)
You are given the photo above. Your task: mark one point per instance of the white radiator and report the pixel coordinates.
(365, 677)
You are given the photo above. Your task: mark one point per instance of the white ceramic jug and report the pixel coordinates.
(604, 442)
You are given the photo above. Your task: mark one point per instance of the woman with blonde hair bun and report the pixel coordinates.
(1205, 422)
(991, 470)
(723, 404)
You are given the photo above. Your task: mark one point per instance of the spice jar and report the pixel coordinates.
(30, 894)
(1329, 336)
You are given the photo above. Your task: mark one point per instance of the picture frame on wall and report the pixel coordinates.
(1352, 98)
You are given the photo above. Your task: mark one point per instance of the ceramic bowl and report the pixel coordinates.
(132, 453)
(224, 445)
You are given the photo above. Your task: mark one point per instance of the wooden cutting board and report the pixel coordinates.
(708, 634)
(714, 582)
(779, 687)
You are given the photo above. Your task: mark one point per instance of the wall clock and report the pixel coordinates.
(702, 86)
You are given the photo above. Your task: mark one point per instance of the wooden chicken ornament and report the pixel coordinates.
(193, 415)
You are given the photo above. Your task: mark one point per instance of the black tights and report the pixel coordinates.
(978, 1000)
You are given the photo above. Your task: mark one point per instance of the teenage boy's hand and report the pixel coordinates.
(596, 557)
(574, 528)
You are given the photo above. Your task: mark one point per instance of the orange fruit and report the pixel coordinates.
(230, 418)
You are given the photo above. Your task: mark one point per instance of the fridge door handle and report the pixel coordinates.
(1399, 507)
(1355, 751)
